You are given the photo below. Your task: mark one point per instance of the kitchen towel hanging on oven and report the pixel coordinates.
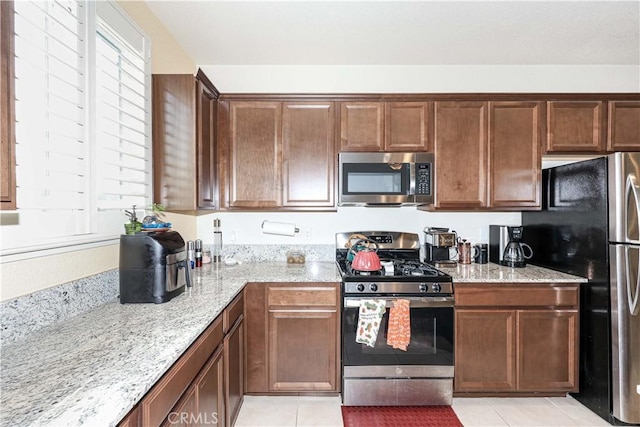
(399, 332)
(369, 318)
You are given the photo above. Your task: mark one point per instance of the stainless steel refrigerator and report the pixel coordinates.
(589, 227)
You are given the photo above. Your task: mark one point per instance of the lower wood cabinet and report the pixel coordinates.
(206, 385)
(292, 338)
(516, 338)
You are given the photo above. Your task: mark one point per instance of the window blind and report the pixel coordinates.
(83, 148)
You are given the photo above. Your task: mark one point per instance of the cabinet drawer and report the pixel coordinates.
(516, 295)
(233, 312)
(165, 394)
(307, 296)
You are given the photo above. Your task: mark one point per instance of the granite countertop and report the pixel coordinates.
(495, 273)
(93, 368)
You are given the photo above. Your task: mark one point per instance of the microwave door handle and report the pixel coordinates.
(412, 179)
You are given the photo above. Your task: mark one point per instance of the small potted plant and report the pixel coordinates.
(133, 226)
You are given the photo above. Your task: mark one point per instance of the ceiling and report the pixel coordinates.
(236, 32)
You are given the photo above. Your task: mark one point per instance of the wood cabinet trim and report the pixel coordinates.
(517, 295)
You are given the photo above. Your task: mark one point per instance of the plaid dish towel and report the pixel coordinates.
(369, 318)
(399, 332)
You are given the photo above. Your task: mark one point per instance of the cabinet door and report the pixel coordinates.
(575, 126)
(547, 350)
(210, 391)
(308, 140)
(7, 121)
(624, 126)
(302, 350)
(406, 126)
(361, 126)
(206, 127)
(514, 154)
(485, 350)
(256, 343)
(234, 371)
(255, 154)
(174, 153)
(185, 413)
(461, 154)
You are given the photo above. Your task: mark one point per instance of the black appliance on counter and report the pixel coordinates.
(589, 227)
(383, 375)
(153, 267)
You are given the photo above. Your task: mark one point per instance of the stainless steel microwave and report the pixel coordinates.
(383, 179)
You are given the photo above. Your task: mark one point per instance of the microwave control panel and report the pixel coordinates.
(423, 179)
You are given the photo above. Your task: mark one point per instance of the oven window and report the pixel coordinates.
(431, 340)
(375, 178)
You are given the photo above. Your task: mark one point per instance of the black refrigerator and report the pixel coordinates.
(588, 226)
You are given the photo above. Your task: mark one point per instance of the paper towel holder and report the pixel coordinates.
(279, 228)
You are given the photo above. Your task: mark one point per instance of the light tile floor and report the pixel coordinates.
(259, 411)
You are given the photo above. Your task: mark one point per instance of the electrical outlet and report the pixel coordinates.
(233, 236)
(306, 233)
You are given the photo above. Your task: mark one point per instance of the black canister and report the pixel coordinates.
(482, 253)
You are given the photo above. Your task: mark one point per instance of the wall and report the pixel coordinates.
(423, 79)
(19, 278)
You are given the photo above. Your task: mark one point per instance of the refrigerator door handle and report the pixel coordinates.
(631, 189)
(632, 296)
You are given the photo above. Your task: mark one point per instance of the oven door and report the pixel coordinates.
(431, 343)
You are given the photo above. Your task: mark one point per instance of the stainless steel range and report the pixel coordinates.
(377, 369)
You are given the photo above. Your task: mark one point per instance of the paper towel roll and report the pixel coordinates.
(279, 228)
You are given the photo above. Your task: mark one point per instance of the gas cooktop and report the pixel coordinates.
(399, 255)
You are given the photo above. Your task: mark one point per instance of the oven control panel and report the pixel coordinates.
(398, 288)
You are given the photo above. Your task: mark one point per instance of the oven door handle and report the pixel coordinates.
(413, 302)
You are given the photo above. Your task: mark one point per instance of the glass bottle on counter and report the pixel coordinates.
(216, 248)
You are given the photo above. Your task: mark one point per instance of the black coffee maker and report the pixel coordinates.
(153, 267)
(513, 255)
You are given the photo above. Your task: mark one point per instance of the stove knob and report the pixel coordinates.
(423, 287)
(360, 287)
(436, 287)
(373, 287)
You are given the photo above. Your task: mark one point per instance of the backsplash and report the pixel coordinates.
(257, 253)
(24, 315)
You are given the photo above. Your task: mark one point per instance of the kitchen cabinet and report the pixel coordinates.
(7, 122)
(516, 338)
(234, 359)
(487, 155)
(460, 148)
(385, 126)
(515, 163)
(184, 141)
(281, 155)
(206, 385)
(624, 126)
(575, 126)
(292, 338)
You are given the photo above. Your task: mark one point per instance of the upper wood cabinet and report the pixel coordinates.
(624, 126)
(361, 126)
(515, 140)
(206, 130)
(575, 126)
(385, 126)
(309, 154)
(460, 147)
(487, 155)
(281, 155)
(184, 130)
(7, 110)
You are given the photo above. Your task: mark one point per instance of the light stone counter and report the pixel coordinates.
(93, 368)
(495, 273)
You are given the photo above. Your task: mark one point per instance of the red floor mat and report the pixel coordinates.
(399, 416)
